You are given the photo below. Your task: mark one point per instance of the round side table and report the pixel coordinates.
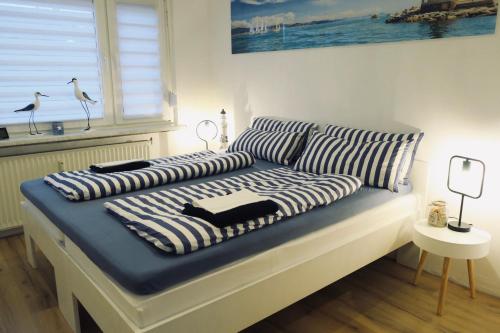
(450, 244)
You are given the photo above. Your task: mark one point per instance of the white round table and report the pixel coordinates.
(450, 244)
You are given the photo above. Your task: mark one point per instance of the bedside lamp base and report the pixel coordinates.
(459, 227)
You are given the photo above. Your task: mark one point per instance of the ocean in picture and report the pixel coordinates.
(272, 25)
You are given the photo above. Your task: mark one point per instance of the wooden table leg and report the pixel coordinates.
(472, 278)
(420, 267)
(444, 285)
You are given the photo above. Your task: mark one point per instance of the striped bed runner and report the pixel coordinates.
(157, 217)
(87, 185)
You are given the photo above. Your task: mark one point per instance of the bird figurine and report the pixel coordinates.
(31, 108)
(83, 98)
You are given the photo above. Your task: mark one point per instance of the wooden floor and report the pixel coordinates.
(377, 298)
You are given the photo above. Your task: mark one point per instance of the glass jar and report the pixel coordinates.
(437, 213)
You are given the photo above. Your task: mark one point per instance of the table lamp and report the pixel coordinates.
(465, 177)
(206, 130)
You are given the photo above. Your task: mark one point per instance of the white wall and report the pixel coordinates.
(193, 72)
(450, 88)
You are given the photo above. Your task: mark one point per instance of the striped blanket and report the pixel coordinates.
(87, 185)
(158, 218)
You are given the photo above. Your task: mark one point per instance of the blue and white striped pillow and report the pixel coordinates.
(360, 135)
(266, 124)
(376, 163)
(277, 147)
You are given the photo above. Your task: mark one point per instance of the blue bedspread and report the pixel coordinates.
(143, 269)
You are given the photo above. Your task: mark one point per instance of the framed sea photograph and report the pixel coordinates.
(272, 25)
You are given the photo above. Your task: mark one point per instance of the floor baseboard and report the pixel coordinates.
(11, 232)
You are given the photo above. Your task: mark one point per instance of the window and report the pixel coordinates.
(45, 43)
(140, 66)
(41, 53)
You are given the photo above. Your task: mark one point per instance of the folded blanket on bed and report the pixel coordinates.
(88, 185)
(222, 203)
(157, 217)
(235, 215)
(237, 207)
(119, 166)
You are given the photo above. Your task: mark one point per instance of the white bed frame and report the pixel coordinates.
(115, 310)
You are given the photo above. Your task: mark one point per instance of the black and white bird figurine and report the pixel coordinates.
(31, 108)
(83, 98)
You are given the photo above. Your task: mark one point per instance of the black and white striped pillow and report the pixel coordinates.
(277, 147)
(360, 135)
(266, 124)
(376, 163)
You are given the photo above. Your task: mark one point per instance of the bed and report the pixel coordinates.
(127, 285)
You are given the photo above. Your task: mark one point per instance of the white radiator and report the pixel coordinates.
(16, 169)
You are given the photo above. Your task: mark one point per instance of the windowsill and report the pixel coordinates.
(18, 139)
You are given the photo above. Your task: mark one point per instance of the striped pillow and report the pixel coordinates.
(266, 124)
(278, 147)
(359, 135)
(376, 163)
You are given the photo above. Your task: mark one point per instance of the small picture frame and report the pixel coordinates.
(4, 135)
(57, 128)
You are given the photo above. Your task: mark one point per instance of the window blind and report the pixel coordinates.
(44, 44)
(140, 65)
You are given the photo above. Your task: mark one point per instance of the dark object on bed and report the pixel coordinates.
(128, 166)
(235, 215)
(3, 133)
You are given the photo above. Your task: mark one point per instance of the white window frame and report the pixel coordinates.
(165, 56)
(106, 29)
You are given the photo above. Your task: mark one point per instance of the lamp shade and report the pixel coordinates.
(206, 130)
(466, 176)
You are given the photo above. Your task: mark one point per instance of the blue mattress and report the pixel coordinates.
(143, 269)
